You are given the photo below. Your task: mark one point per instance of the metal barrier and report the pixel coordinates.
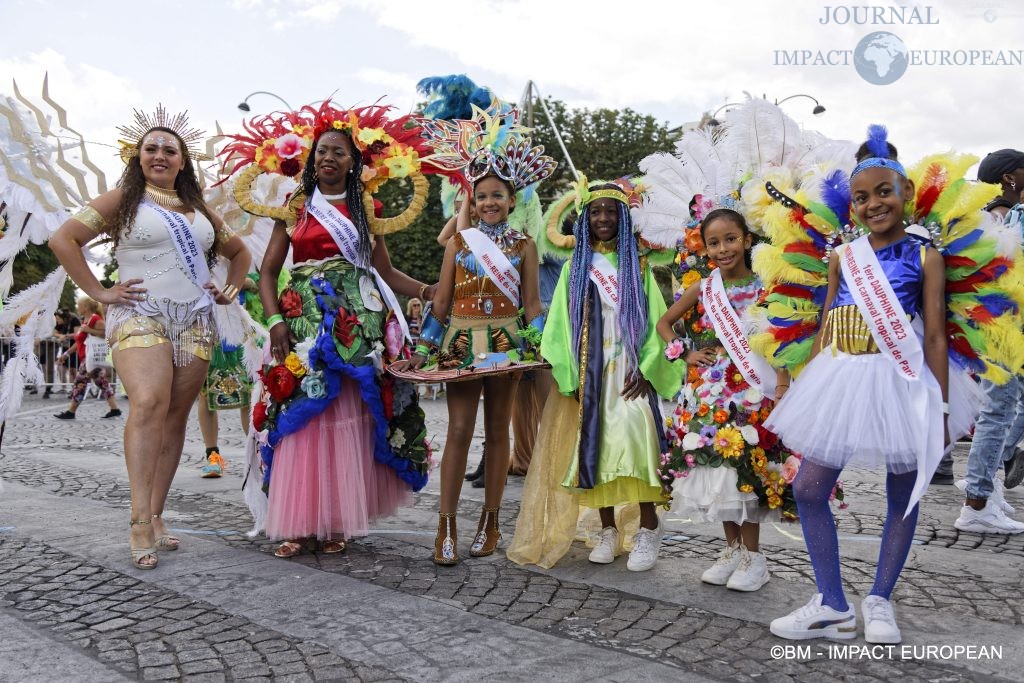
(56, 375)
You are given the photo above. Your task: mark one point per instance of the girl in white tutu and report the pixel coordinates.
(873, 394)
(724, 464)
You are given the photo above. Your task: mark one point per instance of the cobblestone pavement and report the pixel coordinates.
(659, 625)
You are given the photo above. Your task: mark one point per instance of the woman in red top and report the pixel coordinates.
(89, 311)
(330, 469)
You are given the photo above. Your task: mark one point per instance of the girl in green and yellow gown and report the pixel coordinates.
(601, 435)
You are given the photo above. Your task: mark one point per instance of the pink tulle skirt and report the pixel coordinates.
(325, 482)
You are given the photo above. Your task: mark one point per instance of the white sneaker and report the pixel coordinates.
(989, 520)
(604, 552)
(997, 494)
(815, 620)
(644, 554)
(879, 621)
(751, 574)
(718, 574)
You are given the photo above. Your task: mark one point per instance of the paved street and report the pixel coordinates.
(223, 608)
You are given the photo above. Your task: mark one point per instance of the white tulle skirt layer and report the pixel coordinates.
(855, 410)
(709, 494)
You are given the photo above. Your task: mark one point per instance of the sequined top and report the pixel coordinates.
(902, 262)
(148, 253)
(476, 296)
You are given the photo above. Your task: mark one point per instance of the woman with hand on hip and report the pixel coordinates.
(160, 317)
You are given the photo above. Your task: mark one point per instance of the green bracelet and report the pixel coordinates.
(274, 319)
(422, 350)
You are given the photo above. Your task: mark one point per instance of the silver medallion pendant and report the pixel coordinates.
(488, 306)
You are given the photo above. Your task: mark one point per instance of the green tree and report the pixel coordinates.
(415, 250)
(32, 266)
(603, 143)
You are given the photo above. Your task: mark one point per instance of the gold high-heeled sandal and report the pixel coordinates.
(166, 542)
(446, 544)
(139, 554)
(487, 534)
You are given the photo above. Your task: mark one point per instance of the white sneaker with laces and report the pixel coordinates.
(604, 552)
(718, 574)
(879, 621)
(644, 554)
(989, 520)
(815, 620)
(751, 574)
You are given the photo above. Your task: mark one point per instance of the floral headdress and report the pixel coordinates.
(490, 143)
(391, 148)
(142, 123)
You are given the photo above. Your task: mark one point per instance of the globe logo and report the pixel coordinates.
(881, 58)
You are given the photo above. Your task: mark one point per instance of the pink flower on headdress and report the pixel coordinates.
(288, 146)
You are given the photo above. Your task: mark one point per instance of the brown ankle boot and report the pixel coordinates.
(446, 544)
(487, 534)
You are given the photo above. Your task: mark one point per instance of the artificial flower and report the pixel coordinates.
(753, 396)
(294, 365)
(693, 241)
(259, 416)
(302, 350)
(691, 441)
(675, 349)
(267, 157)
(790, 469)
(746, 488)
(734, 378)
(728, 442)
(289, 146)
(397, 439)
(393, 337)
(749, 434)
(344, 327)
(313, 385)
(402, 165)
(721, 416)
(280, 382)
(703, 410)
(290, 303)
(690, 277)
(291, 167)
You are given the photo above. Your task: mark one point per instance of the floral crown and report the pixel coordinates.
(142, 123)
(281, 142)
(490, 143)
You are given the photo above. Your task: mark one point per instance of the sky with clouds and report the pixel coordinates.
(673, 59)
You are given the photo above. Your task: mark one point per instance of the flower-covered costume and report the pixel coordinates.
(483, 319)
(724, 464)
(594, 448)
(345, 442)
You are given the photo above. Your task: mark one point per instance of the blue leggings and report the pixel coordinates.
(812, 488)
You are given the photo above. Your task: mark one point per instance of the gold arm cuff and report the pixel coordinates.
(224, 235)
(90, 218)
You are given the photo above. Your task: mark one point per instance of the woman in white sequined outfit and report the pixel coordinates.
(160, 317)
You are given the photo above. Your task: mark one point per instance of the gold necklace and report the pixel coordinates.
(166, 198)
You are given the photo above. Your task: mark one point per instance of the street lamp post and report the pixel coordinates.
(244, 104)
(817, 111)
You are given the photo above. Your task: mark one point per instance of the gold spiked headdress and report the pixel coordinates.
(143, 123)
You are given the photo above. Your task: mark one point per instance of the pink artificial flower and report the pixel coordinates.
(689, 460)
(393, 338)
(790, 468)
(288, 146)
(674, 349)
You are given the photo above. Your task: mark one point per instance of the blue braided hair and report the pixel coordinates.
(632, 314)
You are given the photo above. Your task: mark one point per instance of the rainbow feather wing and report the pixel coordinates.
(984, 266)
(793, 266)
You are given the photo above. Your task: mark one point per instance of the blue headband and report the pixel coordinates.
(878, 162)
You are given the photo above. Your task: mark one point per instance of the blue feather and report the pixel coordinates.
(451, 97)
(997, 304)
(959, 245)
(878, 140)
(835, 194)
